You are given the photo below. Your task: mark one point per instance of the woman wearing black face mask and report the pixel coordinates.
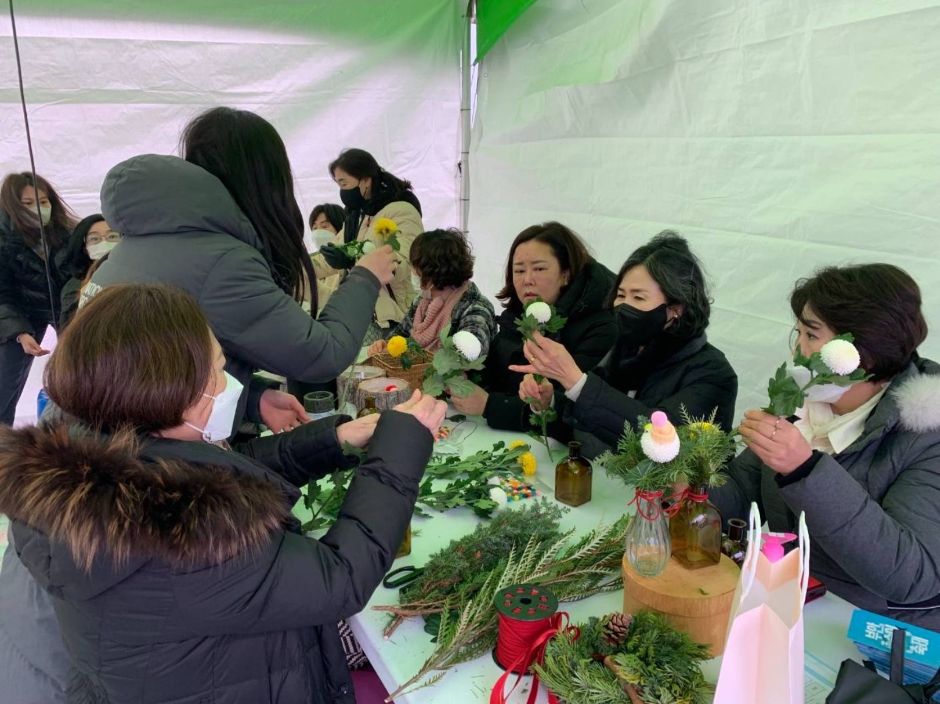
(371, 193)
(661, 360)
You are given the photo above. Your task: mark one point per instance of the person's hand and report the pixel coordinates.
(336, 257)
(541, 392)
(382, 262)
(428, 410)
(281, 412)
(550, 359)
(377, 347)
(357, 432)
(473, 404)
(776, 441)
(30, 346)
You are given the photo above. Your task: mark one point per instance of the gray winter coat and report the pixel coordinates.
(873, 510)
(182, 227)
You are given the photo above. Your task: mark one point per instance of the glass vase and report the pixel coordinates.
(695, 530)
(648, 545)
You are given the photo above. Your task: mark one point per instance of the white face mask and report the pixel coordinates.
(315, 239)
(823, 393)
(222, 416)
(45, 212)
(98, 250)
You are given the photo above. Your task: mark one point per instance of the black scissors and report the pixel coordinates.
(402, 576)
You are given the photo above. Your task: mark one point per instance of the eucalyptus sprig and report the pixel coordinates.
(836, 363)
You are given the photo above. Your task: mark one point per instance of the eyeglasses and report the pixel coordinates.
(114, 237)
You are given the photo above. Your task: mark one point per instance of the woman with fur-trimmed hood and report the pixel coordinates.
(174, 566)
(862, 462)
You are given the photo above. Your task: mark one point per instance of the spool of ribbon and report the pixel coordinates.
(528, 620)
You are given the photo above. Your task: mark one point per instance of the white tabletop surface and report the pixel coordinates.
(397, 659)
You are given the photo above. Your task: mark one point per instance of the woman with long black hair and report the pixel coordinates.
(370, 194)
(224, 225)
(31, 277)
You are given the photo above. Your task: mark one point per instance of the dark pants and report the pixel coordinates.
(14, 370)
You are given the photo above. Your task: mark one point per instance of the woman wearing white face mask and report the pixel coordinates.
(29, 300)
(203, 563)
(863, 461)
(91, 242)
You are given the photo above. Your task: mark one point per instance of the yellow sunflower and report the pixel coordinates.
(528, 463)
(397, 346)
(385, 227)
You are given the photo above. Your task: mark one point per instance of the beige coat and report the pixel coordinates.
(388, 312)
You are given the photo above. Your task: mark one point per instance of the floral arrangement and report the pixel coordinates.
(620, 654)
(527, 461)
(468, 484)
(458, 354)
(406, 351)
(387, 230)
(707, 449)
(835, 365)
(455, 593)
(542, 318)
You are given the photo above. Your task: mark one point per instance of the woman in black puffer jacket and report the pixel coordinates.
(26, 309)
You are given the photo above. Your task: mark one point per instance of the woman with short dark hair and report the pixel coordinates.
(31, 278)
(167, 557)
(327, 216)
(546, 262)
(449, 300)
(864, 464)
(661, 360)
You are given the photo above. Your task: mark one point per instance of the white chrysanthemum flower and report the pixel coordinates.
(499, 496)
(540, 310)
(467, 344)
(659, 451)
(840, 356)
(368, 246)
(495, 481)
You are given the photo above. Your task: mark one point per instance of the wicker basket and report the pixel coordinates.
(414, 375)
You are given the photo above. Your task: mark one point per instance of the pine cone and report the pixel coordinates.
(617, 628)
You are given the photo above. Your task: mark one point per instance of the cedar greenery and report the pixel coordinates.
(461, 595)
(661, 664)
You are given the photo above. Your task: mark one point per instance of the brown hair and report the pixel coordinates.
(24, 219)
(567, 247)
(443, 257)
(137, 355)
(879, 304)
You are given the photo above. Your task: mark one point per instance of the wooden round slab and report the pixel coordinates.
(354, 375)
(695, 601)
(379, 389)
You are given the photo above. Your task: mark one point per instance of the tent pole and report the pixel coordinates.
(465, 90)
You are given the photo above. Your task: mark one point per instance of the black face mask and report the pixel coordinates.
(637, 328)
(352, 198)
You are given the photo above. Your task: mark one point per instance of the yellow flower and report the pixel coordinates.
(703, 427)
(528, 463)
(385, 227)
(397, 346)
(516, 444)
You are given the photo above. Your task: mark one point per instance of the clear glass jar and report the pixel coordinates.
(648, 545)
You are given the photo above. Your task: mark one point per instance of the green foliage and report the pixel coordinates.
(469, 485)
(707, 449)
(630, 465)
(497, 555)
(662, 664)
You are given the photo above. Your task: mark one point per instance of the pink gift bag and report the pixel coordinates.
(763, 658)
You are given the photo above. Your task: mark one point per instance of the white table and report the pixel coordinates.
(396, 660)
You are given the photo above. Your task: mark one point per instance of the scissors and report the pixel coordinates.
(402, 576)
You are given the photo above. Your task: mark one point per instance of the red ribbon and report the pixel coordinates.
(516, 644)
(653, 497)
(679, 499)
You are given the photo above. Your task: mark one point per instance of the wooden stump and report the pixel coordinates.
(697, 602)
(377, 389)
(352, 377)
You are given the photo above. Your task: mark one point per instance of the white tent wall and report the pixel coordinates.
(776, 136)
(108, 80)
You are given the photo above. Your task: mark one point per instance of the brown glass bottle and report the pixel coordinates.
(369, 408)
(573, 477)
(695, 531)
(734, 544)
(405, 548)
